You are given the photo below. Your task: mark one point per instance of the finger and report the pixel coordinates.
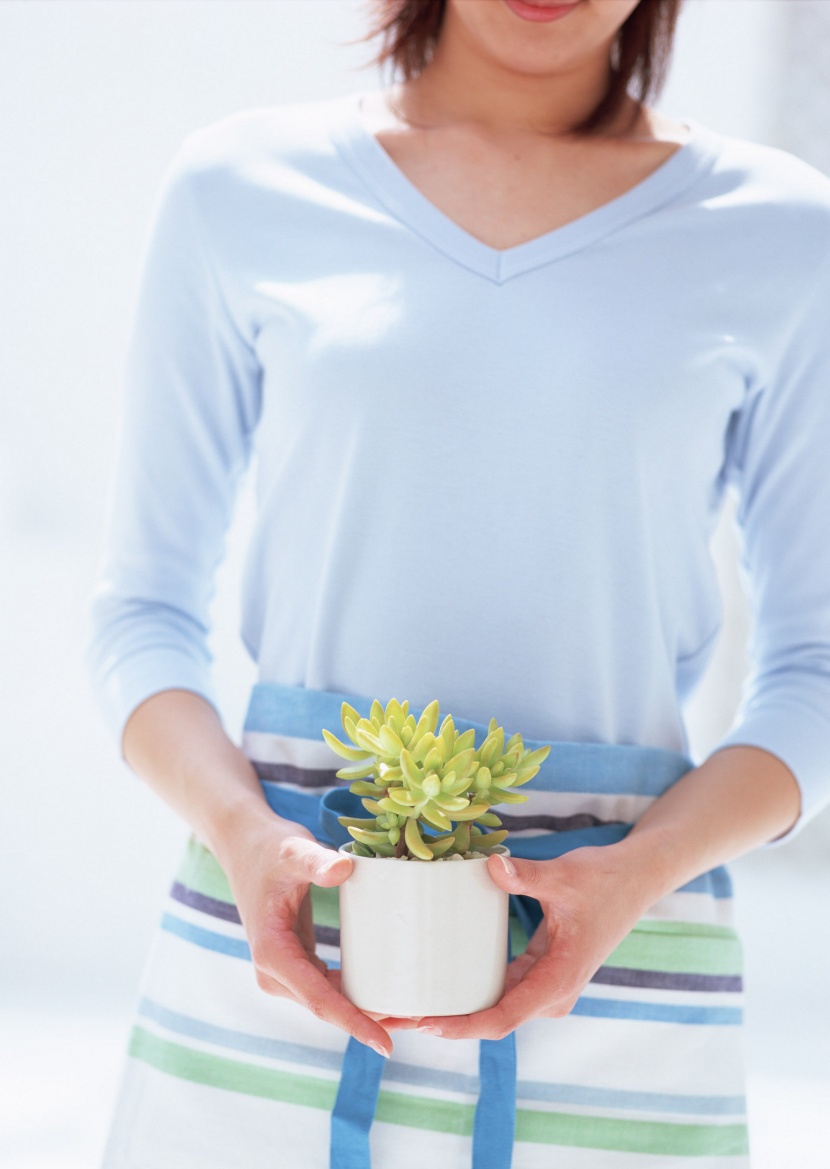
(312, 988)
(307, 861)
(517, 969)
(271, 985)
(538, 992)
(305, 925)
(399, 1024)
(517, 876)
(494, 1023)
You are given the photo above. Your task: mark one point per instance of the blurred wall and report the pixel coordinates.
(95, 96)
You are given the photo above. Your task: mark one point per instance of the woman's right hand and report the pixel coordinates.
(270, 869)
(176, 742)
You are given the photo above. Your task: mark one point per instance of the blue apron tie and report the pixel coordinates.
(354, 1106)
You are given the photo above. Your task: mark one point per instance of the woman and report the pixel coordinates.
(503, 336)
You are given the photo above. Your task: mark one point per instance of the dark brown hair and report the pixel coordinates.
(410, 29)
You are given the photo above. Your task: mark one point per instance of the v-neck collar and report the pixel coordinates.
(361, 149)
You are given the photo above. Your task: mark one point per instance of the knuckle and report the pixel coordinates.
(317, 1007)
(262, 956)
(501, 1027)
(291, 849)
(264, 981)
(298, 856)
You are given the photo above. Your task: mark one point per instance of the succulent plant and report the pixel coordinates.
(429, 790)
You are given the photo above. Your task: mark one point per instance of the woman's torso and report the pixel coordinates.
(491, 474)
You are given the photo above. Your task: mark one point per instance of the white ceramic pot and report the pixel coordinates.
(422, 937)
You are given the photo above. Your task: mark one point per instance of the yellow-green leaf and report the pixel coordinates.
(342, 749)
(414, 841)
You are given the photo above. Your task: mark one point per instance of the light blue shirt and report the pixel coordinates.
(484, 475)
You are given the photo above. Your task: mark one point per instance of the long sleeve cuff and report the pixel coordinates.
(799, 736)
(147, 671)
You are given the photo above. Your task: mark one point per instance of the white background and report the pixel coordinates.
(95, 96)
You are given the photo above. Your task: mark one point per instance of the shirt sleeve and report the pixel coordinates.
(777, 461)
(192, 396)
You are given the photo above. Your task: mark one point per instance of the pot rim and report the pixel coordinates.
(499, 849)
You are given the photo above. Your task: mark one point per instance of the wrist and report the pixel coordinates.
(236, 828)
(654, 860)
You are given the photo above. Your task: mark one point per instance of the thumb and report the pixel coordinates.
(332, 868)
(516, 876)
(310, 861)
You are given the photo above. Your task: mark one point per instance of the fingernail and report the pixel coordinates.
(509, 867)
(377, 1047)
(431, 1030)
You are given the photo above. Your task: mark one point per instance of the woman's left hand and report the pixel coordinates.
(591, 898)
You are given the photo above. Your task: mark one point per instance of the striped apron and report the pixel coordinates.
(646, 1070)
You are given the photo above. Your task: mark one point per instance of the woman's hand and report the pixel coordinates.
(591, 898)
(270, 870)
(176, 742)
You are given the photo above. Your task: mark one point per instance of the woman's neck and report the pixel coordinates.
(462, 85)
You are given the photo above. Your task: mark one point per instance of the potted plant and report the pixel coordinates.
(426, 937)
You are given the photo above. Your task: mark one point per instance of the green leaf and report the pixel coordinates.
(361, 850)
(518, 779)
(473, 812)
(482, 779)
(366, 836)
(352, 822)
(361, 788)
(395, 715)
(462, 837)
(436, 818)
(440, 847)
(489, 820)
(341, 749)
(434, 759)
(431, 786)
(462, 761)
(400, 796)
(488, 841)
(491, 747)
(377, 714)
(465, 741)
(348, 712)
(459, 786)
(420, 749)
(392, 745)
(451, 804)
(409, 769)
(362, 771)
(414, 841)
(499, 795)
(369, 741)
(535, 758)
(447, 735)
(428, 720)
